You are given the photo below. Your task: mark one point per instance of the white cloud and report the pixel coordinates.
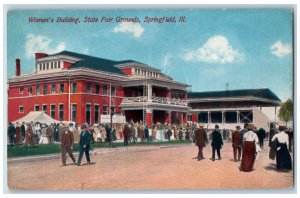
(130, 27)
(38, 43)
(280, 49)
(215, 50)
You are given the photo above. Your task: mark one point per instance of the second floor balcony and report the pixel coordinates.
(154, 100)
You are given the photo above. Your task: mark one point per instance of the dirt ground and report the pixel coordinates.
(149, 168)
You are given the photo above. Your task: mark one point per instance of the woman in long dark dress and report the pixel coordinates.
(283, 157)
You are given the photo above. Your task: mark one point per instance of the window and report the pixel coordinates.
(104, 112)
(216, 117)
(45, 108)
(36, 107)
(51, 65)
(30, 90)
(58, 64)
(43, 66)
(40, 66)
(113, 91)
(203, 117)
(52, 111)
(88, 113)
(37, 90)
(230, 117)
(21, 109)
(53, 89)
(61, 112)
(61, 88)
(55, 65)
(88, 88)
(45, 89)
(74, 87)
(21, 90)
(74, 112)
(97, 89)
(105, 90)
(96, 116)
(47, 66)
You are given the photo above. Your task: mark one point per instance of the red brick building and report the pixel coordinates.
(75, 87)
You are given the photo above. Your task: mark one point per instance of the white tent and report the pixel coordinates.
(37, 116)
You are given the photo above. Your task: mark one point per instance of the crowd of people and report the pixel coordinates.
(247, 142)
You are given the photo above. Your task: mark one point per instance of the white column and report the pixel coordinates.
(149, 92)
(223, 117)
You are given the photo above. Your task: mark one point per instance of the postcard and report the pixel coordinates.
(150, 99)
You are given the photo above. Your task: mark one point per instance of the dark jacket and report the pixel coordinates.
(146, 131)
(11, 130)
(23, 130)
(261, 134)
(236, 139)
(85, 139)
(126, 132)
(200, 137)
(217, 140)
(67, 140)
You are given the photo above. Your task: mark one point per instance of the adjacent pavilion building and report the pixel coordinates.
(234, 107)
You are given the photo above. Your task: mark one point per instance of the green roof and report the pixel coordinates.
(92, 62)
(260, 93)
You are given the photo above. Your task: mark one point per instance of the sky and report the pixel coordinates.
(243, 48)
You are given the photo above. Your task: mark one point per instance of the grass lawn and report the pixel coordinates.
(42, 149)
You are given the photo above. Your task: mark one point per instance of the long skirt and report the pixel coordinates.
(44, 140)
(248, 156)
(283, 158)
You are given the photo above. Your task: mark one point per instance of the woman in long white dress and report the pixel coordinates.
(43, 136)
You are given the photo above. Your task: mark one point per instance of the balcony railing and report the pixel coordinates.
(154, 99)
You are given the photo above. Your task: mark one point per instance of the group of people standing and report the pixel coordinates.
(246, 144)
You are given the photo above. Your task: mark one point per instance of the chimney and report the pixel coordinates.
(40, 55)
(18, 67)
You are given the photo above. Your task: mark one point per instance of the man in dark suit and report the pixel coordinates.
(126, 133)
(236, 144)
(11, 133)
(216, 143)
(200, 140)
(84, 144)
(67, 140)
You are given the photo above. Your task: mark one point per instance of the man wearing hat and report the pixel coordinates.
(216, 142)
(236, 144)
(67, 140)
(200, 140)
(84, 144)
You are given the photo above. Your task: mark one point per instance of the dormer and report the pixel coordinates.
(51, 63)
(140, 70)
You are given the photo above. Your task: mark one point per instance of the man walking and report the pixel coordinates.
(261, 134)
(236, 144)
(200, 140)
(67, 140)
(84, 145)
(216, 143)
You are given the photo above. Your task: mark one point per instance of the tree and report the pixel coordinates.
(286, 111)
